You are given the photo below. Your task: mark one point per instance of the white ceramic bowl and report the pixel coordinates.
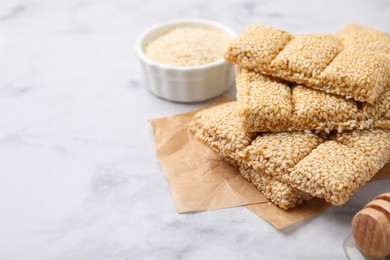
(189, 83)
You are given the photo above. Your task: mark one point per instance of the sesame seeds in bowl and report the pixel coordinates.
(182, 60)
(188, 46)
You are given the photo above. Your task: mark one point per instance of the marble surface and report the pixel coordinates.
(78, 174)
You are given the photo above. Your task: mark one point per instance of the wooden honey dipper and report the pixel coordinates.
(371, 227)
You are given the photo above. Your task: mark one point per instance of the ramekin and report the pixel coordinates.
(185, 83)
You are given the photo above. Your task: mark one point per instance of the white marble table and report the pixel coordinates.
(78, 174)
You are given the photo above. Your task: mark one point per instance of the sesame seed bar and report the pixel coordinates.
(276, 154)
(374, 144)
(302, 164)
(220, 128)
(267, 104)
(354, 63)
(330, 169)
(336, 169)
(279, 193)
(358, 36)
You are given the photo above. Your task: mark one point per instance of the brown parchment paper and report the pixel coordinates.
(199, 180)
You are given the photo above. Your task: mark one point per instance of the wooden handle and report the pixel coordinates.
(371, 227)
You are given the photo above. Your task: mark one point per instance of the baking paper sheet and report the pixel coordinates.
(199, 180)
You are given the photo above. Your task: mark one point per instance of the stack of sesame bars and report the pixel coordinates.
(312, 116)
